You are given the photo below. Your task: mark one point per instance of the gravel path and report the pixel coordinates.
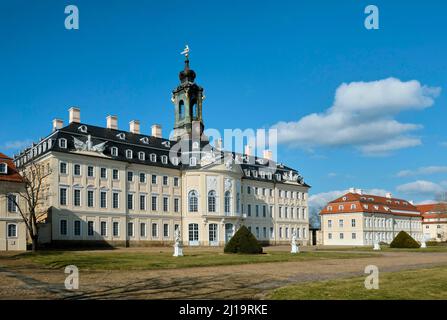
(251, 281)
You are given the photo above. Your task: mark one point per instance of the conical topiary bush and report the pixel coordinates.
(243, 241)
(404, 240)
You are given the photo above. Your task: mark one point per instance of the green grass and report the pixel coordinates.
(121, 260)
(405, 285)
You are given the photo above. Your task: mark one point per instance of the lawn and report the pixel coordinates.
(122, 260)
(405, 285)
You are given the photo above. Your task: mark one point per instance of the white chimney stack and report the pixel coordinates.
(352, 190)
(74, 115)
(359, 191)
(218, 144)
(112, 122)
(389, 195)
(57, 124)
(134, 126)
(248, 150)
(156, 131)
(268, 154)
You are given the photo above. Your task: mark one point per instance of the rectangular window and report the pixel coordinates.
(90, 228)
(12, 200)
(63, 196)
(77, 228)
(329, 236)
(257, 210)
(353, 222)
(142, 177)
(264, 211)
(77, 198)
(103, 228)
(116, 229)
(154, 179)
(115, 200)
(280, 212)
(90, 171)
(165, 230)
(143, 230)
(77, 170)
(165, 204)
(130, 229)
(12, 230)
(154, 230)
(264, 232)
(176, 205)
(63, 227)
(142, 202)
(130, 176)
(103, 173)
(165, 180)
(340, 223)
(130, 201)
(115, 174)
(176, 181)
(154, 203)
(354, 236)
(342, 236)
(90, 198)
(329, 223)
(249, 210)
(271, 211)
(103, 199)
(63, 168)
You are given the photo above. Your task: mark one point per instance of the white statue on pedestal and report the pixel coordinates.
(376, 246)
(178, 249)
(423, 244)
(295, 247)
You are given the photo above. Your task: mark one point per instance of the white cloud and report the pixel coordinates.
(16, 145)
(363, 116)
(421, 187)
(422, 171)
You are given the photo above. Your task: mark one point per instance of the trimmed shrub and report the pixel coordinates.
(404, 240)
(243, 241)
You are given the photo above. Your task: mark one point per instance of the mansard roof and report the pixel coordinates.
(11, 175)
(103, 139)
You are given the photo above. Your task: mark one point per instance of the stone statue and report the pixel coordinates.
(295, 247)
(178, 249)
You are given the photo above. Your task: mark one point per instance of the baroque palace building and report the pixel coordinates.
(357, 219)
(122, 188)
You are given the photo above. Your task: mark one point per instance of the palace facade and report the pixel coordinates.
(124, 187)
(434, 222)
(358, 219)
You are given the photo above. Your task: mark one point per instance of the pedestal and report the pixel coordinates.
(423, 245)
(295, 248)
(376, 246)
(178, 250)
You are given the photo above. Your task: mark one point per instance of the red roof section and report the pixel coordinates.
(12, 175)
(433, 211)
(355, 202)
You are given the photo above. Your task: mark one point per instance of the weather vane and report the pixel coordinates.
(186, 51)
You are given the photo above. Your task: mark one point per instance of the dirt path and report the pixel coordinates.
(224, 282)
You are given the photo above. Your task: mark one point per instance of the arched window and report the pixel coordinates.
(238, 202)
(212, 201)
(181, 109)
(193, 109)
(193, 200)
(227, 202)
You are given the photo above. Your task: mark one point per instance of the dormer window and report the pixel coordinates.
(255, 173)
(353, 207)
(329, 208)
(3, 168)
(145, 140)
(371, 199)
(141, 156)
(365, 206)
(167, 144)
(376, 207)
(341, 207)
(114, 151)
(262, 173)
(83, 129)
(44, 147)
(175, 161)
(193, 161)
(63, 143)
(50, 143)
(153, 157)
(164, 159)
(278, 177)
(247, 173)
(121, 136)
(129, 154)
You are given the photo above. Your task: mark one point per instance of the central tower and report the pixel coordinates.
(187, 99)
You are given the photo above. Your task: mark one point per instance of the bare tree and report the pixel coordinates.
(32, 198)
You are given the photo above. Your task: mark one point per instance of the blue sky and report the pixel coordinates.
(262, 63)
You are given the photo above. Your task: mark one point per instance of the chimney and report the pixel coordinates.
(411, 202)
(352, 190)
(359, 191)
(248, 150)
(112, 122)
(57, 124)
(134, 126)
(74, 115)
(218, 144)
(389, 195)
(156, 131)
(268, 154)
